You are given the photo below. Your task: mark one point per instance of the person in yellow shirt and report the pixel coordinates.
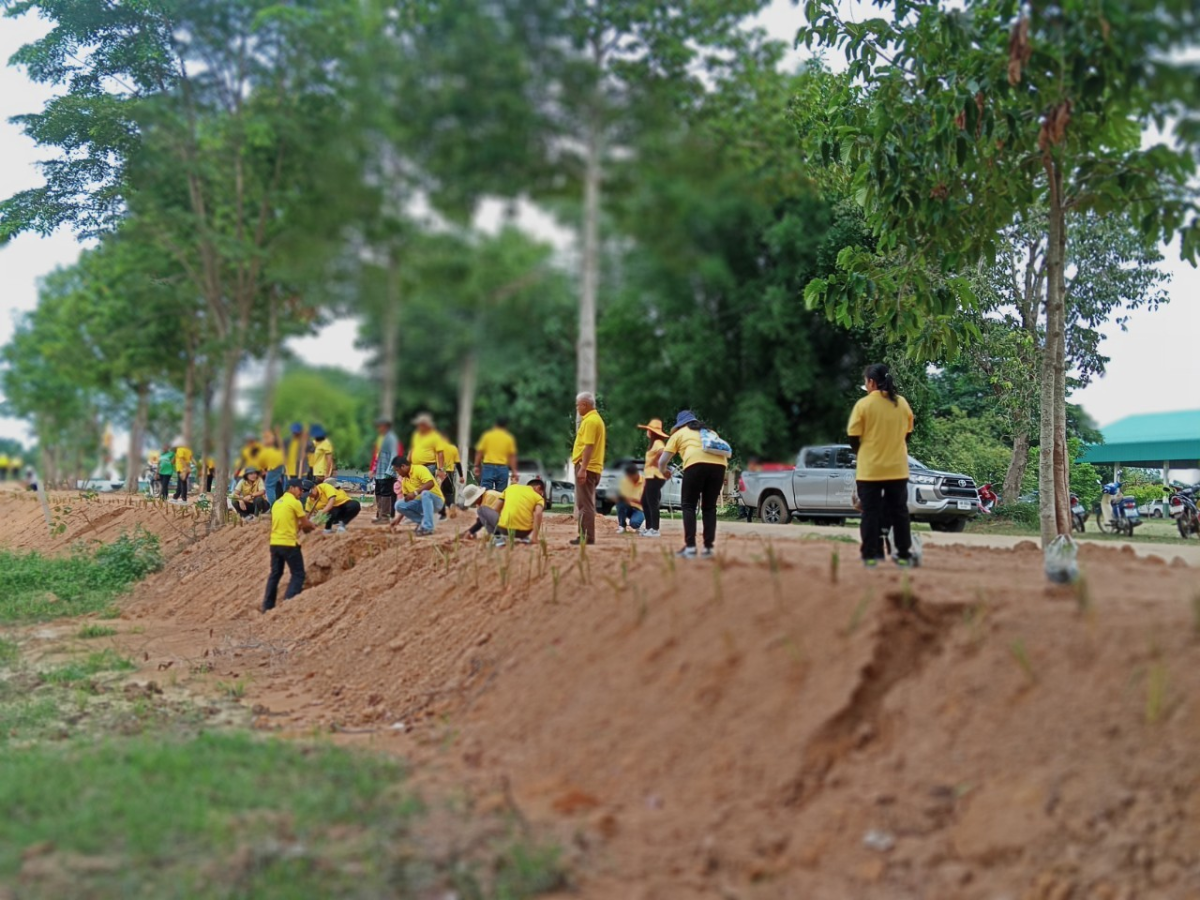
(271, 462)
(419, 496)
(488, 504)
(703, 477)
(630, 514)
(183, 471)
(521, 509)
(288, 519)
(879, 428)
(339, 509)
(428, 447)
(588, 458)
(454, 472)
(210, 473)
(654, 477)
(323, 464)
(496, 457)
(295, 450)
(4, 467)
(250, 496)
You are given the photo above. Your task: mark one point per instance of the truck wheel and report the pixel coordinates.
(773, 510)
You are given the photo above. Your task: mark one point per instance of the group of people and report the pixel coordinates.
(420, 486)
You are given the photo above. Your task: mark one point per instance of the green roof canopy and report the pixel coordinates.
(1149, 440)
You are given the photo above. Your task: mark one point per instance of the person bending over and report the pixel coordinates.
(335, 504)
(487, 504)
(521, 510)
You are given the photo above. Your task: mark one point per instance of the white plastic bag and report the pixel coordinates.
(1062, 566)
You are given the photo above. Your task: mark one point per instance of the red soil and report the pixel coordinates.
(744, 728)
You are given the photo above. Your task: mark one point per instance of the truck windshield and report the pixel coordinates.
(916, 463)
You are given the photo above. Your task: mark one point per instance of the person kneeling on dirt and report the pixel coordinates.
(419, 497)
(521, 512)
(629, 502)
(335, 504)
(250, 496)
(288, 519)
(488, 503)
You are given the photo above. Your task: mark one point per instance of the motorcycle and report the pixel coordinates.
(1182, 507)
(1079, 515)
(1123, 515)
(988, 499)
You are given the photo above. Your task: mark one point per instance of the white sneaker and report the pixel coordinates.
(651, 533)
(620, 529)
(341, 529)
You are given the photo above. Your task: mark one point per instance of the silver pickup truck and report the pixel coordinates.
(822, 487)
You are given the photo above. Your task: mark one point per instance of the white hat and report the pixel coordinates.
(470, 495)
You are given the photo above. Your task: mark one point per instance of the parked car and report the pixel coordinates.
(562, 493)
(1154, 509)
(557, 492)
(354, 484)
(821, 487)
(100, 485)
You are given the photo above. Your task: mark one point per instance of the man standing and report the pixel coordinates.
(387, 448)
(271, 464)
(428, 447)
(166, 468)
(423, 498)
(323, 464)
(588, 459)
(288, 519)
(295, 449)
(183, 471)
(496, 457)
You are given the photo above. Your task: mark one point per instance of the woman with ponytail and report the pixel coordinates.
(879, 429)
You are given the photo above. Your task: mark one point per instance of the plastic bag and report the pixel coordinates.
(1062, 566)
(711, 442)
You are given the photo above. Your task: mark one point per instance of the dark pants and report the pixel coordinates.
(630, 515)
(164, 485)
(294, 560)
(493, 477)
(181, 486)
(257, 507)
(702, 484)
(208, 482)
(651, 501)
(448, 493)
(884, 501)
(344, 514)
(585, 505)
(385, 497)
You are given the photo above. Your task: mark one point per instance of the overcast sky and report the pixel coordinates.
(1153, 365)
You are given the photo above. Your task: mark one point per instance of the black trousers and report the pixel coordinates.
(164, 485)
(702, 485)
(652, 501)
(344, 514)
(257, 507)
(385, 497)
(884, 501)
(181, 486)
(208, 482)
(294, 560)
(448, 492)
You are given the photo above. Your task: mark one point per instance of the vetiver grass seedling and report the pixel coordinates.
(1156, 692)
(1196, 614)
(1083, 596)
(93, 664)
(95, 631)
(859, 611)
(833, 566)
(555, 575)
(1021, 656)
(718, 593)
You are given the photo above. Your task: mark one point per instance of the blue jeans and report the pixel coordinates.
(274, 484)
(422, 510)
(626, 513)
(493, 477)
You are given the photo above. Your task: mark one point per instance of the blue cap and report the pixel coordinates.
(297, 428)
(685, 416)
(318, 432)
(305, 485)
(295, 483)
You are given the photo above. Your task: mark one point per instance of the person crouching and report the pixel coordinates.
(630, 515)
(337, 506)
(521, 508)
(487, 504)
(249, 498)
(420, 497)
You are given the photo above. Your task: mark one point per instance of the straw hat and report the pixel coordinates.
(470, 496)
(423, 419)
(655, 426)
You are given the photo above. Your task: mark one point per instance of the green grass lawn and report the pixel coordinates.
(1153, 531)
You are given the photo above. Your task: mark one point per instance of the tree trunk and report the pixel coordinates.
(1016, 468)
(47, 464)
(206, 405)
(391, 340)
(468, 383)
(233, 357)
(137, 439)
(589, 286)
(271, 369)
(1055, 506)
(189, 400)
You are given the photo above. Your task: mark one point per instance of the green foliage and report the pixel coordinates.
(1084, 477)
(1023, 514)
(955, 442)
(336, 399)
(9, 653)
(92, 664)
(88, 632)
(35, 587)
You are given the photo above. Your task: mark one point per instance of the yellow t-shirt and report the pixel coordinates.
(425, 447)
(183, 461)
(418, 476)
(520, 501)
(285, 521)
(651, 469)
(631, 491)
(210, 465)
(591, 432)
(325, 493)
(3, 462)
(497, 446)
(449, 454)
(250, 455)
(492, 499)
(322, 458)
(293, 456)
(152, 460)
(686, 443)
(269, 458)
(883, 428)
(247, 489)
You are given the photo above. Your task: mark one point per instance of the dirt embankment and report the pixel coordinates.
(769, 725)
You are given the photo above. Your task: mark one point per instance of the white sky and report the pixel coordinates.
(1145, 375)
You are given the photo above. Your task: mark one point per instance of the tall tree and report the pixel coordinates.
(976, 118)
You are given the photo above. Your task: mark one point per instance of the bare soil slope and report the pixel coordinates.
(778, 723)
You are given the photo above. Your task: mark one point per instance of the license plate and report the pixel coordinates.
(965, 504)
